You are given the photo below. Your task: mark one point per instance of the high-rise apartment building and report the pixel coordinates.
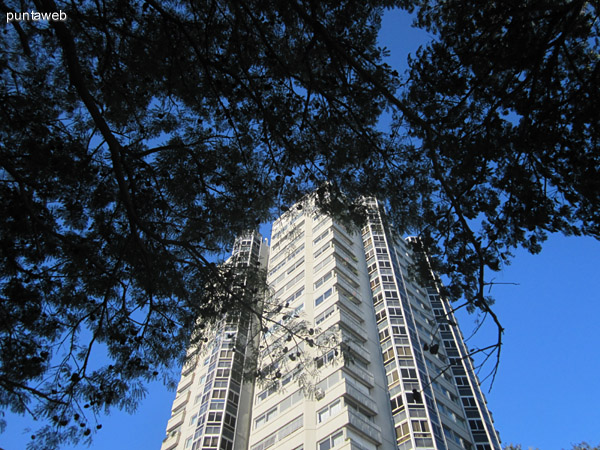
(212, 407)
(355, 356)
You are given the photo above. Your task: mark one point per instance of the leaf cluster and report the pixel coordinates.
(138, 138)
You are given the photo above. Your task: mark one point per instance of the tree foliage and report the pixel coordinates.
(138, 138)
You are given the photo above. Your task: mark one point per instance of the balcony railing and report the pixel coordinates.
(342, 317)
(361, 373)
(364, 426)
(171, 441)
(351, 445)
(181, 400)
(176, 420)
(347, 417)
(349, 304)
(345, 285)
(360, 397)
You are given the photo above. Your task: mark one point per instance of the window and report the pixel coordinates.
(294, 296)
(344, 249)
(329, 356)
(214, 417)
(277, 267)
(322, 236)
(377, 298)
(323, 263)
(322, 250)
(217, 405)
(320, 225)
(397, 404)
(264, 394)
(384, 334)
(412, 398)
(388, 355)
(410, 374)
(289, 428)
(213, 430)
(324, 296)
(391, 294)
(469, 402)
(401, 331)
(325, 315)
(392, 378)
(348, 280)
(329, 411)
(226, 444)
(420, 426)
(230, 420)
(234, 398)
(323, 279)
(332, 440)
(359, 410)
(211, 441)
(291, 400)
(404, 351)
(476, 425)
(330, 381)
(402, 432)
(295, 266)
(375, 282)
(450, 435)
(287, 379)
(265, 417)
(295, 280)
(198, 432)
(462, 381)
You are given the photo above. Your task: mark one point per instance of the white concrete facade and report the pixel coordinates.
(378, 365)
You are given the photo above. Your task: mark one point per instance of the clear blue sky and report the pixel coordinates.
(547, 392)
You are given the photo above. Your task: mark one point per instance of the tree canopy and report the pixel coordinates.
(138, 138)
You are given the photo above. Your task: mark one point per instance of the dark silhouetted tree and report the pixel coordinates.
(137, 138)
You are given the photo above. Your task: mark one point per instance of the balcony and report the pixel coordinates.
(360, 373)
(349, 304)
(365, 427)
(347, 417)
(187, 379)
(363, 399)
(351, 321)
(341, 266)
(340, 316)
(171, 441)
(176, 421)
(181, 400)
(347, 287)
(351, 445)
